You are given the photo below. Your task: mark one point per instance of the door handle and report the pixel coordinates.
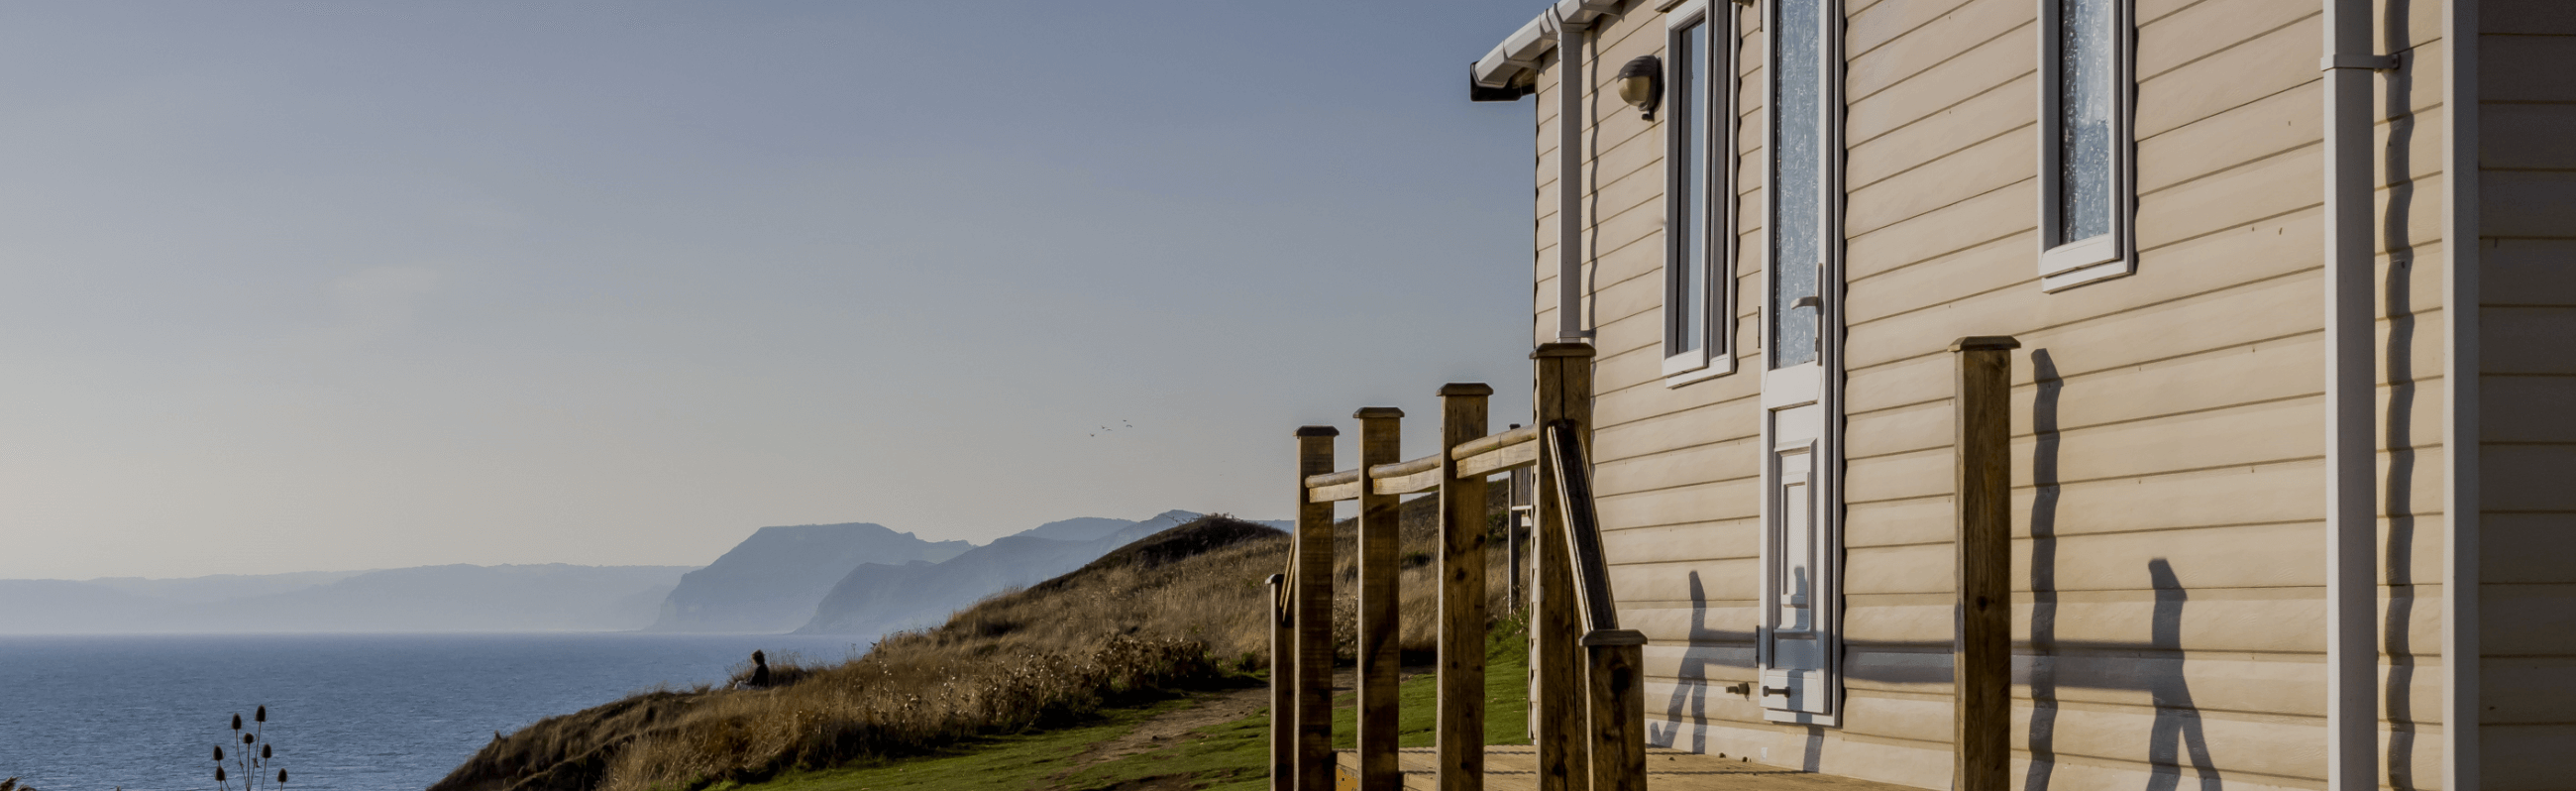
(1780, 691)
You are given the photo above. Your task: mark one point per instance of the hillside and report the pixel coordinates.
(1182, 608)
(770, 581)
(1125, 624)
(876, 598)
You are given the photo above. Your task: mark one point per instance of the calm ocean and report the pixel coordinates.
(346, 712)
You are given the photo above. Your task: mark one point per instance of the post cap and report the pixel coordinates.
(1318, 431)
(1466, 389)
(1981, 343)
(1275, 579)
(1368, 412)
(1562, 350)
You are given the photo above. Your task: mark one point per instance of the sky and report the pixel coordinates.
(349, 285)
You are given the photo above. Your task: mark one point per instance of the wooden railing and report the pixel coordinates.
(1616, 710)
(1588, 706)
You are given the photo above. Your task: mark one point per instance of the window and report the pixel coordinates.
(2086, 205)
(1805, 108)
(1699, 191)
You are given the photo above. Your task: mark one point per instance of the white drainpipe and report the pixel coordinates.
(2352, 518)
(1569, 178)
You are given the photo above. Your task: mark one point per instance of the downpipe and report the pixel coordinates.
(1570, 37)
(2352, 518)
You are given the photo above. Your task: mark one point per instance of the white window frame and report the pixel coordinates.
(2062, 265)
(1715, 109)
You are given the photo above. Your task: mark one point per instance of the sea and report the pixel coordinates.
(345, 712)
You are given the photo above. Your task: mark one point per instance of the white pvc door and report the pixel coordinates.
(1800, 550)
(1795, 670)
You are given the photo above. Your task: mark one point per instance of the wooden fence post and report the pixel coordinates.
(1981, 666)
(1616, 680)
(1564, 384)
(1381, 437)
(1283, 686)
(1314, 614)
(1461, 722)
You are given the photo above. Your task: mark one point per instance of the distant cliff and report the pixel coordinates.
(770, 582)
(880, 597)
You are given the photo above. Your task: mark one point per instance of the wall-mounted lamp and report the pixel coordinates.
(1641, 84)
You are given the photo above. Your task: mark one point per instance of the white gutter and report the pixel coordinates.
(1517, 57)
(2352, 513)
(1569, 36)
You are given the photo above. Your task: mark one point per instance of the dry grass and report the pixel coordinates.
(1149, 617)
(1181, 609)
(1417, 578)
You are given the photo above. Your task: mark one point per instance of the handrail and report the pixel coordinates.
(1582, 534)
(1491, 441)
(1406, 477)
(1404, 468)
(1332, 479)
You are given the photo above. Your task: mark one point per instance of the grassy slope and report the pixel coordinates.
(1233, 756)
(1175, 612)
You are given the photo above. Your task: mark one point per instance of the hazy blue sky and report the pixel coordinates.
(329, 285)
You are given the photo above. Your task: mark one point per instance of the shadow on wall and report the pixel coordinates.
(2397, 488)
(2177, 728)
(2175, 736)
(1708, 648)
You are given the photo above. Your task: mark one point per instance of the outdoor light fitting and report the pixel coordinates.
(1641, 84)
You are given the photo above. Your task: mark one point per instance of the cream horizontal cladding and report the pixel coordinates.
(2167, 428)
(2000, 110)
(2214, 77)
(1982, 167)
(1915, 58)
(1973, 74)
(1673, 581)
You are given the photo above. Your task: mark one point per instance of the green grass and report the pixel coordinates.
(1418, 699)
(1232, 756)
(1002, 763)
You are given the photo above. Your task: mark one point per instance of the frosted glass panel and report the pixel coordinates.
(1797, 178)
(1691, 215)
(2085, 90)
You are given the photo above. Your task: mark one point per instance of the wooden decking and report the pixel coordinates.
(1515, 768)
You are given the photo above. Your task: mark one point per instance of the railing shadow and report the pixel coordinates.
(2397, 488)
(2043, 568)
(1691, 693)
(2177, 728)
(2176, 739)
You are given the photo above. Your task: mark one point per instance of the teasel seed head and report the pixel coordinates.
(219, 752)
(247, 738)
(219, 774)
(281, 777)
(265, 753)
(236, 722)
(262, 716)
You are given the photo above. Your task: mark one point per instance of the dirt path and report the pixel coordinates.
(1167, 729)
(1162, 731)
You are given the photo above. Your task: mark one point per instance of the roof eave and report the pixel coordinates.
(1520, 52)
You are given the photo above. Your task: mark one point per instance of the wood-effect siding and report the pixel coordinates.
(2527, 394)
(2168, 427)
